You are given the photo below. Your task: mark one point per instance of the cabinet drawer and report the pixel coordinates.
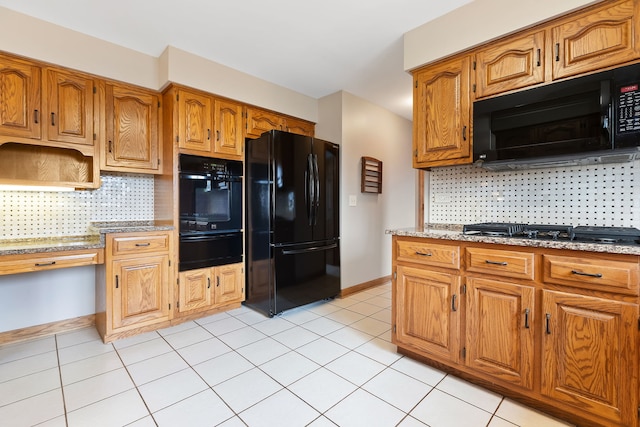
(605, 275)
(13, 264)
(429, 254)
(125, 245)
(519, 265)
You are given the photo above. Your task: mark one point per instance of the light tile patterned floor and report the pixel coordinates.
(325, 364)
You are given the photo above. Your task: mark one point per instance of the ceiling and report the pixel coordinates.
(314, 47)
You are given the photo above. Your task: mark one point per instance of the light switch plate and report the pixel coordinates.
(353, 200)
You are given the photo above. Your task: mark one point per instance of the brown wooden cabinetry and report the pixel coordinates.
(441, 114)
(590, 355)
(132, 138)
(258, 121)
(596, 39)
(500, 330)
(195, 121)
(513, 64)
(209, 288)
(229, 138)
(70, 107)
(555, 328)
(20, 98)
(132, 292)
(427, 316)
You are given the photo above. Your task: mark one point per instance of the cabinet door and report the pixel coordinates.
(140, 291)
(260, 121)
(132, 129)
(300, 127)
(442, 132)
(228, 123)
(589, 354)
(512, 65)
(194, 121)
(229, 283)
(596, 40)
(195, 290)
(427, 311)
(500, 330)
(68, 107)
(20, 111)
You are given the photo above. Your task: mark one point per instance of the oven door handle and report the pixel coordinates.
(206, 237)
(307, 250)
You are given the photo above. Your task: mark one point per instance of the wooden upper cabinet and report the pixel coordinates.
(69, 107)
(228, 138)
(195, 121)
(514, 64)
(132, 127)
(20, 109)
(300, 127)
(259, 121)
(441, 111)
(590, 356)
(596, 39)
(500, 330)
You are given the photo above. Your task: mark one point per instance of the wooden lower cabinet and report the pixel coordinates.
(427, 315)
(132, 286)
(566, 346)
(208, 288)
(589, 355)
(500, 330)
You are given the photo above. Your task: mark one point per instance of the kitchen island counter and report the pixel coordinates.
(454, 232)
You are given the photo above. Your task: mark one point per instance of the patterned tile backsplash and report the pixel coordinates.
(32, 214)
(594, 195)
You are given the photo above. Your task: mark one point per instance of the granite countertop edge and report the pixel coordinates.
(454, 232)
(94, 240)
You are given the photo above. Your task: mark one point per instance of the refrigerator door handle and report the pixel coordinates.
(317, 189)
(310, 189)
(307, 250)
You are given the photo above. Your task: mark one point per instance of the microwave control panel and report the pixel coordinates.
(628, 107)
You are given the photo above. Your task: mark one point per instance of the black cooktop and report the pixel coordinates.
(611, 235)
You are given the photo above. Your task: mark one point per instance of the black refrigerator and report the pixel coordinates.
(292, 221)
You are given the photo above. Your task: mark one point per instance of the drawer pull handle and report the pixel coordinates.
(143, 244)
(208, 282)
(117, 282)
(496, 262)
(45, 264)
(581, 273)
(548, 324)
(424, 254)
(526, 318)
(218, 281)
(453, 303)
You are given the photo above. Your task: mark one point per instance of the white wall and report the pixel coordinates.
(477, 22)
(27, 36)
(364, 129)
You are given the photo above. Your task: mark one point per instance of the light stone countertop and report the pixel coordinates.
(454, 232)
(94, 240)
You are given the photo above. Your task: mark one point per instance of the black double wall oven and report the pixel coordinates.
(210, 212)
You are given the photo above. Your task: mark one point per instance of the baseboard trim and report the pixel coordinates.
(46, 329)
(364, 286)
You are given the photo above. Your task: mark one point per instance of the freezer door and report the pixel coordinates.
(326, 208)
(292, 188)
(306, 273)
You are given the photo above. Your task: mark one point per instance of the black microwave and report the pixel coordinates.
(589, 119)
